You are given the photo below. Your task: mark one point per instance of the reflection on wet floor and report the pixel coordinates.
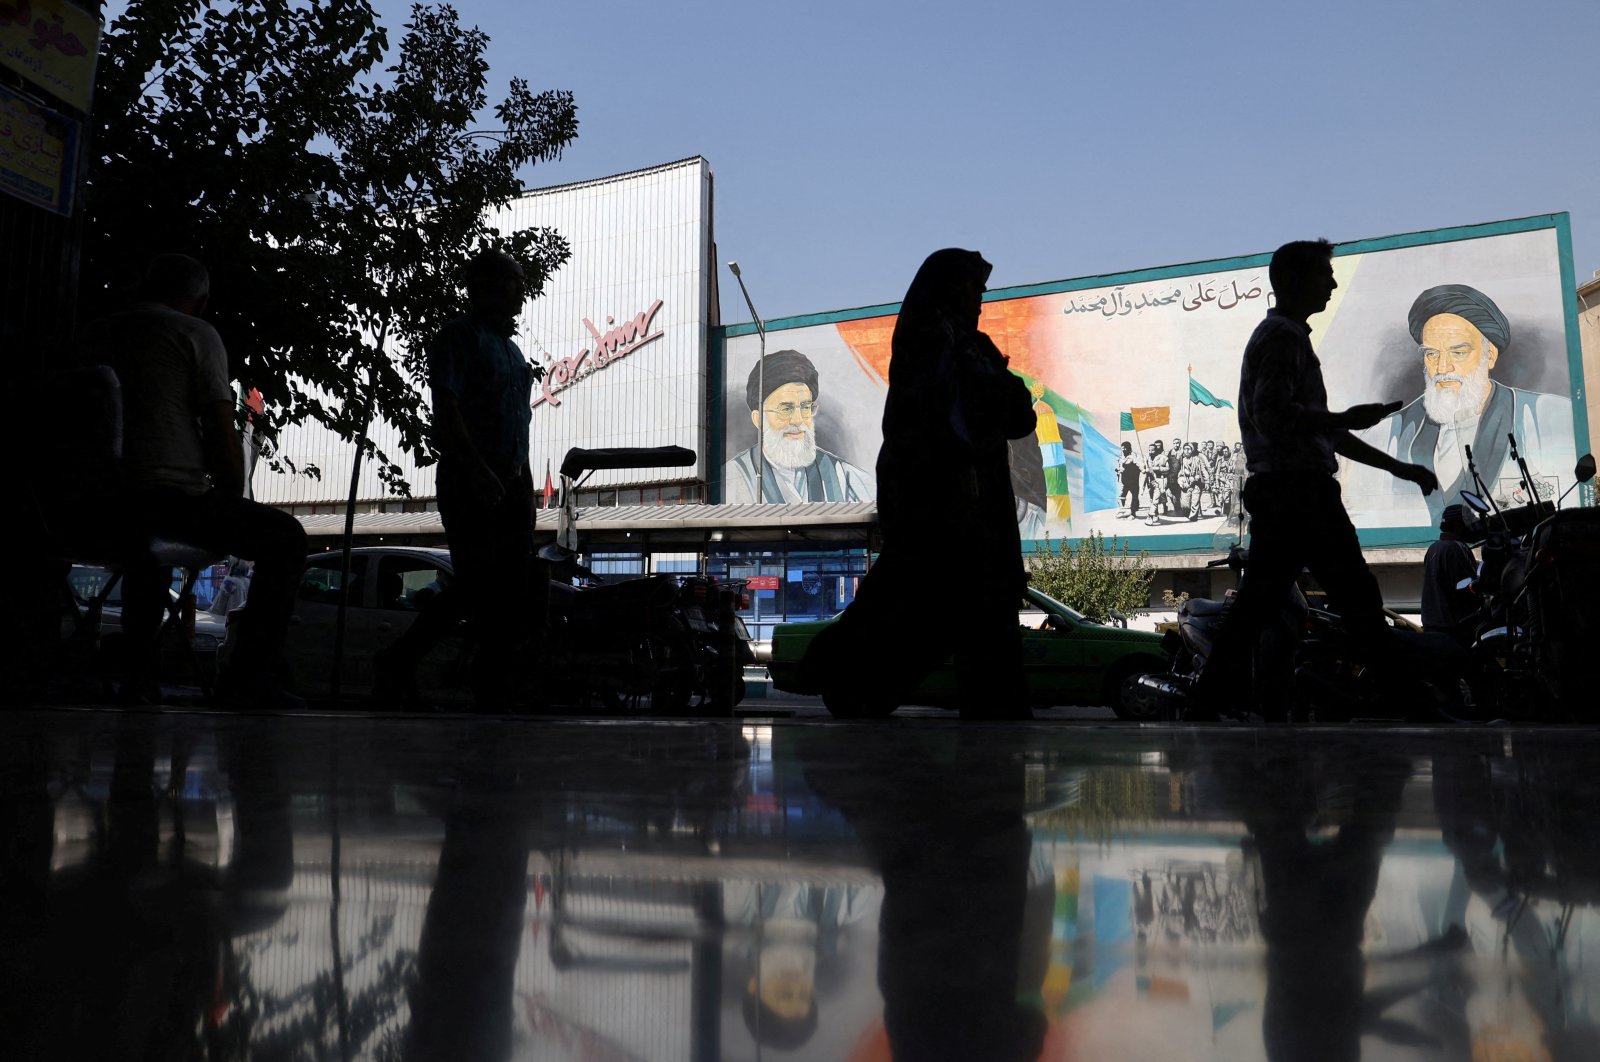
(203, 886)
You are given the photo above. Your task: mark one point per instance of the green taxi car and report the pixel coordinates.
(1069, 660)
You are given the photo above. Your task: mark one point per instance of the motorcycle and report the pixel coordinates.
(1307, 668)
(664, 643)
(1189, 645)
(1534, 628)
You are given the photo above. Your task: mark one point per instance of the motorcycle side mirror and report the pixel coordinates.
(1474, 502)
(1585, 470)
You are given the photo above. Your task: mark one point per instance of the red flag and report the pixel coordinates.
(549, 488)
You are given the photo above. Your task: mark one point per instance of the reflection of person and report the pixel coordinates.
(1461, 336)
(482, 389)
(1290, 438)
(796, 468)
(964, 928)
(183, 465)
(797, 927)
(1446, 609)
(951, 409)
(1314, 897)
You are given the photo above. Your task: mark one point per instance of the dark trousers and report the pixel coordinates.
(1297, 521)
(491, 550)
(272, 539)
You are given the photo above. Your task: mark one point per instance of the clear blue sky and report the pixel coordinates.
(1064, 139)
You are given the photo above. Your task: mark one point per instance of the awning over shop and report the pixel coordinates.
(656, 524)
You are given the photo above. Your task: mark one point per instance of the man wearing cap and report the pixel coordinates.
(795, 468)
(1447, 609)
(1461, 336)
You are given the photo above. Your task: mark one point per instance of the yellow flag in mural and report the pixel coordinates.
(1142, 418)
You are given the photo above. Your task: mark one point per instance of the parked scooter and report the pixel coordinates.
(1535, 624)
(662, 643)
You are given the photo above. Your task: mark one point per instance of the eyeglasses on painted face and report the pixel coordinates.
(793, 410)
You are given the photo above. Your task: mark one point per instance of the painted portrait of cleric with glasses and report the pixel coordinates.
(795, 468)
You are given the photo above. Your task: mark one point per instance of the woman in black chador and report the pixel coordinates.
(950, 576)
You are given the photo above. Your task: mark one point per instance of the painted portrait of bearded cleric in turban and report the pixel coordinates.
(1461, 336)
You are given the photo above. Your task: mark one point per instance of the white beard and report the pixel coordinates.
(790, 453)
(1463, 403)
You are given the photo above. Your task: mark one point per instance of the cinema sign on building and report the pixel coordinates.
(1135, 381)
(621, 329)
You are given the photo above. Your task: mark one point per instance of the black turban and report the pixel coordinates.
(1468, 303)
(782, 367)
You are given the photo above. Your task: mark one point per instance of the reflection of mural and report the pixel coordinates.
(1462, 335)
(1152, 362)
(794, 468)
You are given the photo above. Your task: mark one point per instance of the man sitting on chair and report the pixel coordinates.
(183, 470)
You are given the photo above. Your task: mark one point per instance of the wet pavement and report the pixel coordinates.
(191, 885)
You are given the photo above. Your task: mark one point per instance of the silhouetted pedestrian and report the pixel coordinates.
(1290, 441)
(952, 406)
(183, 469)
(482, 395)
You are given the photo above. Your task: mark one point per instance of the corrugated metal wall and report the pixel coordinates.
(635, 238)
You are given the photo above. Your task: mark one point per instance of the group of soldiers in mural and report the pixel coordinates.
(1181, 481)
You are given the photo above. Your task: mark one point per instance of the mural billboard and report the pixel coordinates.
(1135, 383)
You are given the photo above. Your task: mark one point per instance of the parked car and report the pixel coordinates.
(88, 581)
(388, 588)
(1069, 660)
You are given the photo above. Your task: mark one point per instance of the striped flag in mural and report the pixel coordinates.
(1053, 451)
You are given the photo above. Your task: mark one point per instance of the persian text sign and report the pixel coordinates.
(38, 149)
(53, 44)
(611, 346)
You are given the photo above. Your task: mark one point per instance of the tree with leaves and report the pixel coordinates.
(1096, 578)
(334, 199)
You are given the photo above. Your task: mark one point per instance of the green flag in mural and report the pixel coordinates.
(1202, 397)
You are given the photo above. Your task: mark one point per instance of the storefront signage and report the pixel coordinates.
(611, 346)
(38, 151)
(53, 44)
(762, 582)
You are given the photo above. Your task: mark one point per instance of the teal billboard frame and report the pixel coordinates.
(1159, 545)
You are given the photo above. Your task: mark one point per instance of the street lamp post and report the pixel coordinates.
(761, 381)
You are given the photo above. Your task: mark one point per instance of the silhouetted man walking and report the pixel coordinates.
(1290, 440)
